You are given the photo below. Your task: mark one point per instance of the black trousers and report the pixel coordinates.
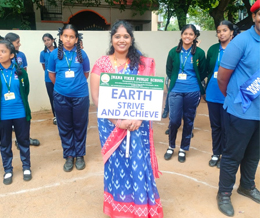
(22, 132)
(216, 117)
(50, 88)
(242, 149)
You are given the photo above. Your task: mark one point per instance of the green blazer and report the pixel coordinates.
(24, 91)
(173, 65)
(212, 57)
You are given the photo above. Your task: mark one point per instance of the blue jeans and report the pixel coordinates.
(182, 105)
(242, 149)
(72, 121)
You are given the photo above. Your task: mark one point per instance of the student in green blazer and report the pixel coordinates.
(14, 111)
(214, 97)
(186, 67)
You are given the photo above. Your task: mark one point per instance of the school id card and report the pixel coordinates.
(69, 74)
(9, 96)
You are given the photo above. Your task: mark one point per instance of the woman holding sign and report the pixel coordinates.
(186, 67)
(129, 183)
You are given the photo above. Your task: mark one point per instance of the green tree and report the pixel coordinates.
(175, 8)
(200, 17)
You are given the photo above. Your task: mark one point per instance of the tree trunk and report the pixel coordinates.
(181, 10)
(218, 12)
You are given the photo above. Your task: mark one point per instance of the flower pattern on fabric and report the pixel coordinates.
(129, 185)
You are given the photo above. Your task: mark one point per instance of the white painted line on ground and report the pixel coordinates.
(177, 146)
(51, 185)
(205, 115)
(38, 121)
(205, 130)
(191, 178)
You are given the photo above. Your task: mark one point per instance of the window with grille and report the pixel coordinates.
(50, 11)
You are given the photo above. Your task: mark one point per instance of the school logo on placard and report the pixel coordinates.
(15, 77)
(105, 79)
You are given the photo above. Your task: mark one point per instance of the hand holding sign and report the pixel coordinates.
(131, 98)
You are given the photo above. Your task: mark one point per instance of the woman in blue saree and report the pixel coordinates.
(129, 183)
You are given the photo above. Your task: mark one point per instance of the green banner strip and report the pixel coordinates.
(131, 81)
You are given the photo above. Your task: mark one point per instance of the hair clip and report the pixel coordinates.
(59, 31)
(80, 36)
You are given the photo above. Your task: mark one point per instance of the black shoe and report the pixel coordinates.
(9, 180)
(167, 132)
(68, 166)
(27, 176)
(34, 142)
(54, 121)
(224, 203)
(182, 159)
(253, 193)
(214, 162)
(168, 154)
(165, 114)
(80, 163)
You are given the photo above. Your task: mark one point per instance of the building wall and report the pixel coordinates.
(110, 14)
(152, 44)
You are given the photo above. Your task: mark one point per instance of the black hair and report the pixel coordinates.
(48, 35)
(194, 44)
(236, 30)
(60, 47)
(133, 54)
(9, 45)
(12, 37)
(227, 23)
(1, 38)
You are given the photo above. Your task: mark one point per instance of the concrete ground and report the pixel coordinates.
(186, 189)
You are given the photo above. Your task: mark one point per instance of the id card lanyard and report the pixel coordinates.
(126, 63)
(8, 86)
(183, 63)
(69, 64)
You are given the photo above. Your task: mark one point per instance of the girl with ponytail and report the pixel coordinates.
(21, 61)
(186, 67)
(15, 111)
(68, 69)
(49, 46)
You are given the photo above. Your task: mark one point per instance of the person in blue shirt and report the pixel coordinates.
(186, 68)
(68, 69)
(15, 111)
(15, 39)
(239, 81)
(22, 61)
(49, 46)
(214, 97)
